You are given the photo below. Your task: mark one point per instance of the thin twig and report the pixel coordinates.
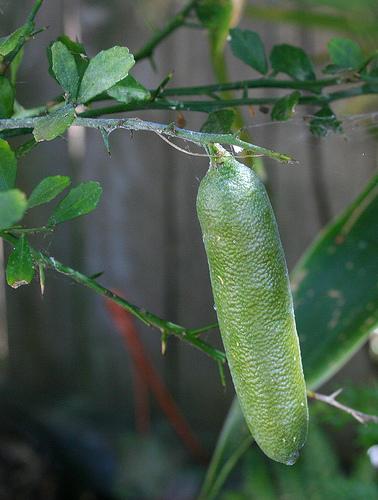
(210, 90)
(202, 155)
(362, 418)
(34, 11)
(204, 106)
(30, 33)
(29, 230)
(182, 150)
(309, 85)
(176, 22)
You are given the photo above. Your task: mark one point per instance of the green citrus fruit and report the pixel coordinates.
(254, 306)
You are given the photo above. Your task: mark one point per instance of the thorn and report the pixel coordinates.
(164, 338)
(336, 393)
(42, 278)
(96, 275)
(105, 138)
(358, 418)
(153, 63)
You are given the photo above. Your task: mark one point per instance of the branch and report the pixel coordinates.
(110, 124)
(331, 400)
(314, 86)
(173, 24)
(34, 11)
(146, 317)
(214, 105)
(166, 327)
(263, 83)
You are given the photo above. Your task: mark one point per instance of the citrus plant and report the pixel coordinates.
(255, 305)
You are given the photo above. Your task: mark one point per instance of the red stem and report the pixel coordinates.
(126, 328)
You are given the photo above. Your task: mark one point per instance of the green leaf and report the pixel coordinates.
(77, 51)
(292, 61)
(6, 98)
(247, 46)
(20, 269)
(8, 166)
(48, 189)
(80, 201)
(129, 90)
(334, 318)
(233, 441)
(345, 54)
(105, 70)
(285, 107)
(12, 207)
(11, 42)
(335, 289)
(54, 124)
(332, 69)
(325, 121)
(219, 122)
(63, 65)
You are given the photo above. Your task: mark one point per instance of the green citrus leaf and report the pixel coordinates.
(78, 53)
(333, 317)
(6, 98)
(12, 207)
(48, 189)
(219, 122)
(292, 61)
(54, 124)
(285, 107)
(234, 439)
(129, 90)
(8, 166)
(9, 43)
(105, 70)
(247, 46)
(79, 201)
(20, 269)
(63, 66)
(325, 121)
(345, 54)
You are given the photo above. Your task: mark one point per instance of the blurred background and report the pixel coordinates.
(71, 426)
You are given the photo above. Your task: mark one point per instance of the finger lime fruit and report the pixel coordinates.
(254, 305)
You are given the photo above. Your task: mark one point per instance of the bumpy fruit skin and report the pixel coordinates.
(254, 306)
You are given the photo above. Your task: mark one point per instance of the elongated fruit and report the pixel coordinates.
(254, 306)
